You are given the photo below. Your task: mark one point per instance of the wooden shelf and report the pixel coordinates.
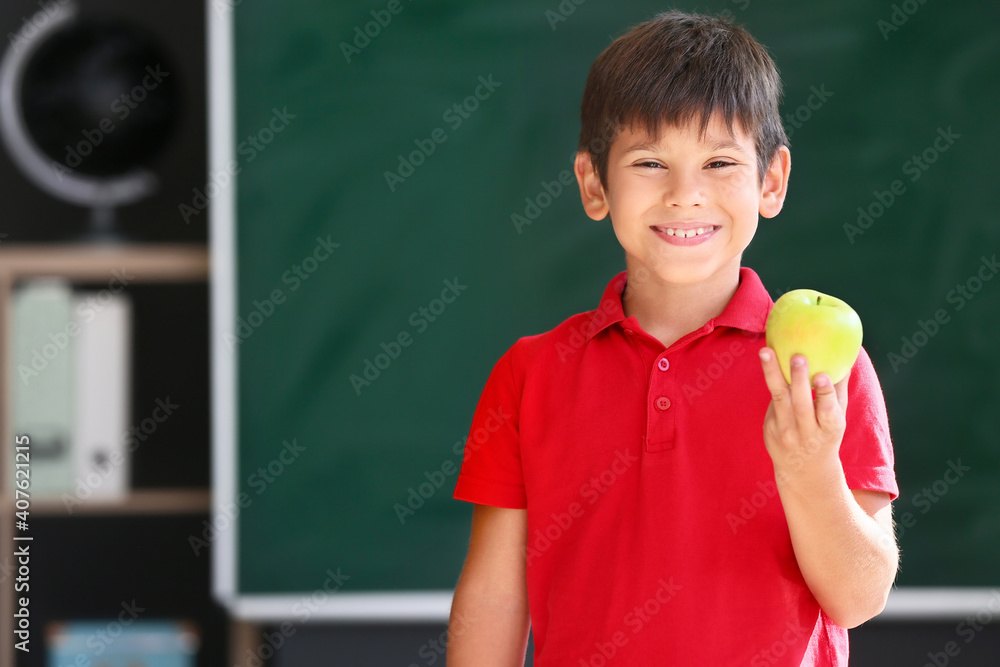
(143, 501)
(117, 265)
(166, 262)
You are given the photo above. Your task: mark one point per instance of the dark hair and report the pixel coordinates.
(677, 67)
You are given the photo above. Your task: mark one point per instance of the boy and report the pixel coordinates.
(653, 492)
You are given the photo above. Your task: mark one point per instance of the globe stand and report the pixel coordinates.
(102, 227)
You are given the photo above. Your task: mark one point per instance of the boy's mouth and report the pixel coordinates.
(682, 232)
(686, 233)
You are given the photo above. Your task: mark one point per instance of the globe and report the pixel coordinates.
(99, 98)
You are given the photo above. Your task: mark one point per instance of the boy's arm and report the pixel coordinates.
(843, 540)
(489, 614)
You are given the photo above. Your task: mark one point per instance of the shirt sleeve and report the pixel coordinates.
(491, 465)
(866, 450)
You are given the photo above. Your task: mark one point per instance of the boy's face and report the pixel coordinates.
(684, 206)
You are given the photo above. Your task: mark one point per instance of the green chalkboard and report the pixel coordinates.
(383, 148)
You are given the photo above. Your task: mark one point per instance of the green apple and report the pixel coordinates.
(823, 328)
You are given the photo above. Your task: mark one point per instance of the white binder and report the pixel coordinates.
(103, 393)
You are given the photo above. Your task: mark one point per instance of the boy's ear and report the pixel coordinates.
(775, 185)
(591, 191)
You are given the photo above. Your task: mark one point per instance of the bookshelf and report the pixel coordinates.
(150, 264)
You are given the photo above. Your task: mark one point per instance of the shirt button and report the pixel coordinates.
(662, 403)
(663, 364)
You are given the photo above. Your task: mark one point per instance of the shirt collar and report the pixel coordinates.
(747, 309)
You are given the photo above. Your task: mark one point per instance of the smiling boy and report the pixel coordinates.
(660, 495)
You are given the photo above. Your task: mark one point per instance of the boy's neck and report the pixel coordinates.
(669, 311)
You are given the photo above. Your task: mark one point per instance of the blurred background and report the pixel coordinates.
(257, 260)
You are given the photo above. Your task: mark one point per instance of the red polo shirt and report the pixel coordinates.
(655, 533)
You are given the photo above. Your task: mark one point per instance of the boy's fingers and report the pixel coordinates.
(802, 403)
(773, 376)
(828, 408)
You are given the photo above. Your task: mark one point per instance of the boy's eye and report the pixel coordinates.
(648, 163)
(718, 164)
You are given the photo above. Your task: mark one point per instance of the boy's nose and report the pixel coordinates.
(683, 190)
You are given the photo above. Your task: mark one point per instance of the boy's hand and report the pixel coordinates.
(843, 539)
(802, 436)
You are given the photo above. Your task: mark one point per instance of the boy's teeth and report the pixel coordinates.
(686, 234)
